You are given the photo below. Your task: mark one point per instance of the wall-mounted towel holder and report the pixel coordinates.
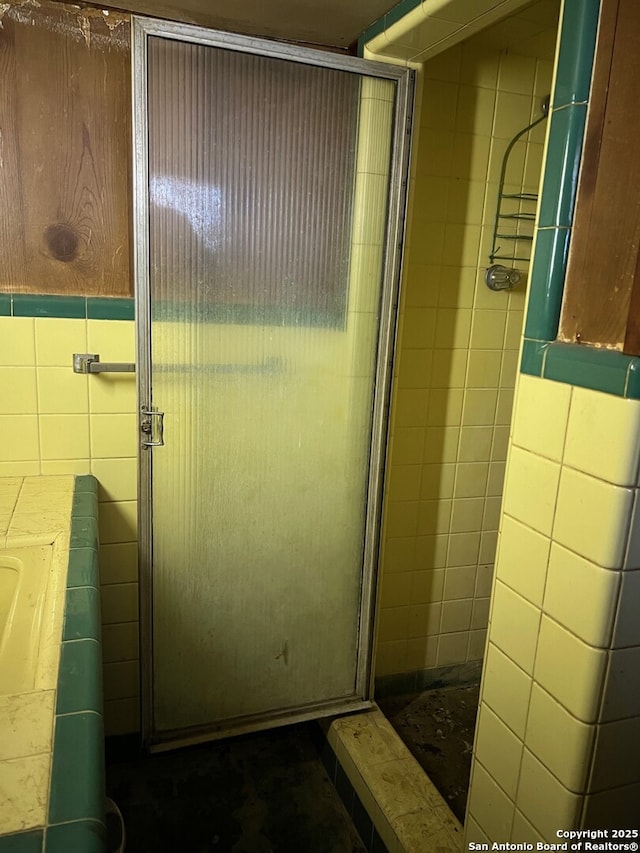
(89, 362)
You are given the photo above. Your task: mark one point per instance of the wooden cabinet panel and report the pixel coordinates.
(66, 178)
(12, 244)
(605, 239)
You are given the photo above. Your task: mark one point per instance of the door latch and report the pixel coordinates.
(152, 428)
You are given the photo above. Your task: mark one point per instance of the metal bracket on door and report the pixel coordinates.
(152, 425)
(89, 362)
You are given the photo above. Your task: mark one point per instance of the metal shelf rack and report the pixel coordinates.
(526, 202)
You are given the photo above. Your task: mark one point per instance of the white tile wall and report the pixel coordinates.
(592, 517)
(570, 670)
(524, 554)
(560, 741)
(506, 689)
(498, 750)
(591, 426)
(581, 596)
(544, 801)
(566, 592)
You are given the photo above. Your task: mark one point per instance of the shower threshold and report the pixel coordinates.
(438, 727)
(377, 775)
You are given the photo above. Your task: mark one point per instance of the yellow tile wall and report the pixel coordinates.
(557, 745)
(456, 356)
(56, 422)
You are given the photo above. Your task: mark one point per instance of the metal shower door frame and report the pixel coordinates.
(142, 29)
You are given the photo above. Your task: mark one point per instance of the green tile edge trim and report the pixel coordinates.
(86, 835)
(39, 305)
(29, 841)
(588, 367)
(77, 773)
(597, 368)
(78, 708)
(533, 356)
(381, 24)
(459, 674)
(358, 813)
(99, 308)
(79, 711)
(66, 307)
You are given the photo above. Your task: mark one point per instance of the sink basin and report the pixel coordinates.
(24, 579)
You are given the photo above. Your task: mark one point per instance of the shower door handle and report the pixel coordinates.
(152, 428)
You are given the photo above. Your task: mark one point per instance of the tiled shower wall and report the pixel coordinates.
(457, 351)
(558, 738)
(56, 422)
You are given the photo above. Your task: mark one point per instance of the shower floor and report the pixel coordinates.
(260, 793)
(438, 726)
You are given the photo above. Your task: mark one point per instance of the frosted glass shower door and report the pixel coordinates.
(265, 190)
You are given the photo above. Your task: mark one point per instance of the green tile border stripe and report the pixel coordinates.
(460, 674)
(37, 305)
(588, 367)
(542, 355)
(66, 307)
(383, 23)
(567, 120)
(100, 308)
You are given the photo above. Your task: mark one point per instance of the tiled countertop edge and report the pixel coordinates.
(76, 799)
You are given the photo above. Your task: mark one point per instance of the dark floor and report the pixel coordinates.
(438, 728)
(260, 793)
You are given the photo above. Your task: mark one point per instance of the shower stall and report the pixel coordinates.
(476, 171)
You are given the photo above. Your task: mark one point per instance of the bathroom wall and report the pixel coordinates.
(557, 738)
(457, 346)
(65, 109)
(557, 743)
(56, 422)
